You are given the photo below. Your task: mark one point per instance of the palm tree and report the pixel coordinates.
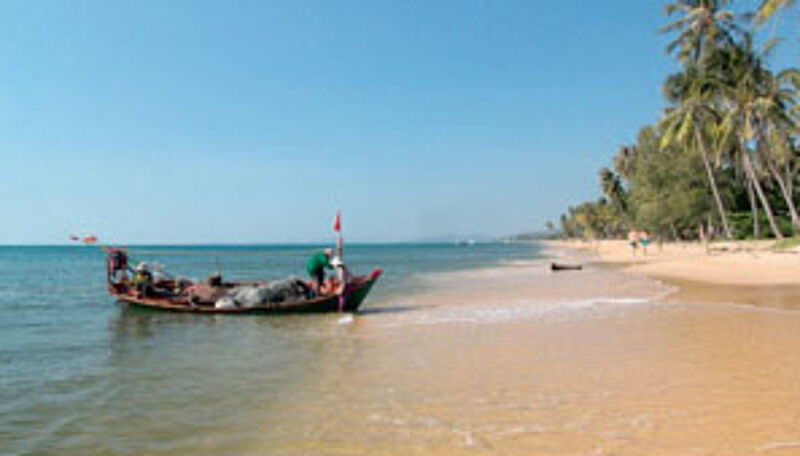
(775, 128)
(613, 190)
(688, 125)
(624, 161)
(703, 26)
(757, 117)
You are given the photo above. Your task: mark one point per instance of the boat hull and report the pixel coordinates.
(358, 292)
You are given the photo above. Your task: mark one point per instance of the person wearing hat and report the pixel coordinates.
(342, 278)
(316, 268)
(142, 279)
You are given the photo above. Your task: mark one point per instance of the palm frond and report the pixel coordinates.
(687, 126)
(768, 47)
(769, 8)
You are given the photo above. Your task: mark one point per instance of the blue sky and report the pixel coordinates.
(239, 121)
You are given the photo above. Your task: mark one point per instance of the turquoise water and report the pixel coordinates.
(84, 375)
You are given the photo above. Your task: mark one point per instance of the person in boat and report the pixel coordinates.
(142, 280)
(179, 285)
(342, 284)
(206, 292)
(343, 276)
(215, 280)
(316, 267)
(118, 266)
(337, 283)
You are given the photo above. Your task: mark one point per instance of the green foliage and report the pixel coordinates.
(742, 225)
(592, 220)
(786, 244)
(614, 191)
(728, 138)
(669, 191)
(702, 26)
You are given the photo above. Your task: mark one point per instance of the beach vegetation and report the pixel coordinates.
(788, 243)
(742, 224)
(723, 158)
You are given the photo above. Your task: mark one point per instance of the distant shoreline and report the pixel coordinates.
(741, 272)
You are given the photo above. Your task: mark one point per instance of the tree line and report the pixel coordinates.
(725, 152)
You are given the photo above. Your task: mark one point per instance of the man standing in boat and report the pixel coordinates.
(316, 267)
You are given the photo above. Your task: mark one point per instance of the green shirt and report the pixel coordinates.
(317, 263)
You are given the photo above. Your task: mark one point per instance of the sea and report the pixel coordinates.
(83, 374)
(458, 350)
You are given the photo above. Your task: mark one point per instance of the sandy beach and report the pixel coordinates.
(518, 360)
(744, 272)
(731, 263)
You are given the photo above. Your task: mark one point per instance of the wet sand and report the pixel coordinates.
(522, 361)
(768, 296)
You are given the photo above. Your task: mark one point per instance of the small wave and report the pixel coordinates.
(622, 300)
(502, 313)
(526, 263)
(345, 320)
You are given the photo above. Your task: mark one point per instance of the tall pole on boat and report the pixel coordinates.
(337, 227)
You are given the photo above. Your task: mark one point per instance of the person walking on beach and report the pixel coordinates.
(644, 239)
(316, 268)
(633, 240)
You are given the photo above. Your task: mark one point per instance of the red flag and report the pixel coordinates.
(337, 222)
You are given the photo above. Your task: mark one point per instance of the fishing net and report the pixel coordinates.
(287, 290)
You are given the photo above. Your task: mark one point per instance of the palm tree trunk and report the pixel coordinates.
(785, 192)
(713, 182)
(748, 167)
(753, 206)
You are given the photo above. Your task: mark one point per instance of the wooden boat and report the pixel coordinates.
(162, 299)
